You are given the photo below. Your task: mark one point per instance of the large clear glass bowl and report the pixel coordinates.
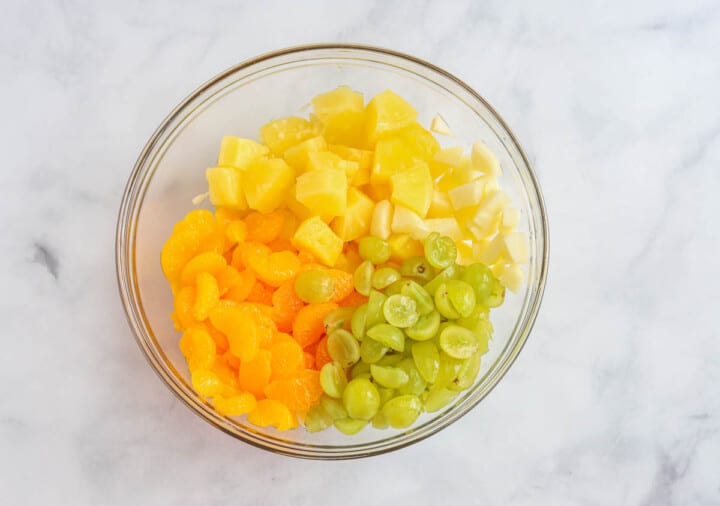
(170, 172)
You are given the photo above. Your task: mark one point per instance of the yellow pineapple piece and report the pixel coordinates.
(282, 133)
(225, 187)
(297, 156)
(342, 112)
(323, 191)
(314, 236)
(327, 160)
(485, 160)
(238, 152)
(387, 111)
(440, 206)
(355, 223)
(363, 157)
(413, 189)
(445, 226)
(421, 142)
(392, 155)
(267, 183)
(402, 247)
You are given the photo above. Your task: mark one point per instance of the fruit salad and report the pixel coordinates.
(346, 274)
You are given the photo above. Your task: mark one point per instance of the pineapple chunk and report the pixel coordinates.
(466, 195)
(238, 152)
(466, 256)
(421, 142)
(392, 155)
(484, 160)
(511, 276)
(267, 183)
(413, 189)
(225, 187)
(402, 247)
(449, 157)
(296, 207)
(516, 247)
(405, 221)
(440, 126)
(445, 226)
(314, 236)
(297, 155)
(323, 191)
(489, 251)
(381, 219)
(386, 112)
(355, 223)
(510, 218)
(378, 192)
(326, 160)
(282, 133)
(363, 157)
(440, 206)
(342, 112)
(489, 210)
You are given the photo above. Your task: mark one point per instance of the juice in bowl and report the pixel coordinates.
(366, 264)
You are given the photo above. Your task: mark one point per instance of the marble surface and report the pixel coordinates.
(615, 400)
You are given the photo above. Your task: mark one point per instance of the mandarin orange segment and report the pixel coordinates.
(260, 293)
(273, 268)
(308, 360)
(309, 326)
(194, 233)
(206, 383)
(231, 360)
(254, 375)
(281, 244)
(264, 227)
(198, 348)
(342, 283)
(236, 232)
(235, 405)
(286, 305)
(184, 302)
(227, 278)
(207, 295)
(355, 299)
(298, 392)
(240, 327)
(209, 261)
(287, 357)
(241, 290)
(322, 356)
(270, 412)
(227, 375)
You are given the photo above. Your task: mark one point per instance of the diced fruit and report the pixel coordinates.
(489, 209)
(413, 189)
(297, 155)
(355, 222)
(225, 187)
(267, 183)
(511, 276)
(280, 134)
(381, 219)
(439, 126)
(488, 251)
(516, 247)
(325, 160)
(363, 157)
(440, 206)
(405, 221)
(445, 226)
(323, 191)
(402, 247)
(343, 115)
(392, 155)
(386, 112)
(484, 160)
(317, 238)
(238, 152)
(421, 142)
(448, 157)
(466, 195)
(510, 218)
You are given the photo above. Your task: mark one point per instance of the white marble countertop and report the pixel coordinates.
(615, 400)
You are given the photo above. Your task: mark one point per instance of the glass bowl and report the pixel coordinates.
(170, 172)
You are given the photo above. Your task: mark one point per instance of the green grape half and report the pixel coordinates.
(423, 300)
(343, 348)
(384, 277)
(350, 426)
(418, 268)
(388, 335)
(443, 303)
(427, 360)
(458, 342)
(440, 250)
(425, 328)
(402, 411)
(314, 286)
(361, 399)
(462, 296)
(400, 311)
(371, 350)
(389, 377)
(374, 249)
(362, 277)
(317, 419)
(333, 379)
(438, 398)
(357, 322)
(339, 318)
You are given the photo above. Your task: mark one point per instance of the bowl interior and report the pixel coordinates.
(170, 172)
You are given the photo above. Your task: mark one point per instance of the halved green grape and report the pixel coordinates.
(462, 296)
(443, 304)
(375, 309)
(440, 250)
(357, 322)
(361, 399)
(416, 384)
(402, 411)
(333, 407)
(339, 318)
(314, 285)
(350, 426)
(387, 335)
(438, 398)
(467, 373)
(480, 278)
(359, 368)
(391, 359)
(374, 250)
(417, 267)
(379, 421)
(496, 296)
(422, 299)
(458, 342)
(395, 288)
(448, 370)
(427, 360)
(384, 277)
(389, 377)
(476, 320)
(343, 348)
(425, 328)
(451, 272)
(400, 311)
(333, 379)
(385, 394)
(362, 277)
(317, 419)
(363, 375)
(371, 351)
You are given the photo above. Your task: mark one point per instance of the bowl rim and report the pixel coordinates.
(123, 225)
